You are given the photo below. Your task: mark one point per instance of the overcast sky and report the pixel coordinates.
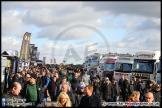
(118, 27)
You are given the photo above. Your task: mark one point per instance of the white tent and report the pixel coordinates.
(10, 53)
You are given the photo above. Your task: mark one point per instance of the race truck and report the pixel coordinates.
(145, 64)
(95, 58)
(87, 63)
(158, 73)
(123, 66)
(108, 66)
(100, 67)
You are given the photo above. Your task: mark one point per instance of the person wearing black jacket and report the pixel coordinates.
(107, 90)
(148, 87)
(120, 83)
(96, 86)
(90, 100)
(125, 89)
(79, 94)
(75, 80)
(39, 80)
(53, 88)
(157, 93)
(43, 78)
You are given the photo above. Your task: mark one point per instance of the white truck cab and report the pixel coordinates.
(158, 72)
(145, 64)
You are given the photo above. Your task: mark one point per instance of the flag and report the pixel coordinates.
(51, 61)
(54, 60)
(44, 59)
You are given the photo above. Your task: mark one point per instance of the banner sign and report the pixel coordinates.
(34, 52)
(24, 53)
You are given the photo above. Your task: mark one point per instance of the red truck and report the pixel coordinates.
(108, 68)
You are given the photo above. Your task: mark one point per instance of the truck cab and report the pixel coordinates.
(145, 64)
(158, 73)
(108, 68)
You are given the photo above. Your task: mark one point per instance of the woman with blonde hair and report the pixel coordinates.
(134, 97)
(63, 100)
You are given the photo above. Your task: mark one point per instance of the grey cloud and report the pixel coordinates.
(72, 34)
(147, 24)
(149, 9)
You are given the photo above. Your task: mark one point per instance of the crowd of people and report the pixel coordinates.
(76, 89)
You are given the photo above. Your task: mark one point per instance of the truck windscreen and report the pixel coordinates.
(124, 67)
(94, 63)
(108, 67)
(143, 66)
(94, 57)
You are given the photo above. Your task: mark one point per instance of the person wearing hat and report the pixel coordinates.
(79, 94)
(34, 93)
(149, 86)
(107, 90)
(157, 93)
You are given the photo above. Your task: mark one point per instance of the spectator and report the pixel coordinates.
(107, 90)
(116, 91)
(125, 89)
(149, 87)
(14, 91)
(135, 83)
(46, 94)
(64, 88)
(64, 80)
(131, 87)
(53, 88)
(10, 79)
(149, 97)
(90, 100)
(157, 93)
(121, 80)
(44, 79)
(34, 93)
(38, 81)
(75, 80)
(79, 94)
(63, 100)
(142, 87)
(134, 97)
(86, 78)
(96, 86)
(138, 84)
